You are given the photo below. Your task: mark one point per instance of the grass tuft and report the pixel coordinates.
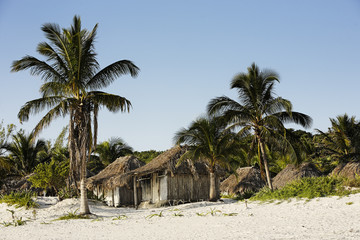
(155, 215)
(72, 215)
(20, 199)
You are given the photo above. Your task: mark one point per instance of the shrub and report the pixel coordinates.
(310, 187)
(20, 199)
(50, 175)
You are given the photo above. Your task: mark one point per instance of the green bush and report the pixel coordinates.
(50, 175)
(20, 199)
(309, 188)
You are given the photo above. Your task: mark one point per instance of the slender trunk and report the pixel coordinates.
(96, 109)
(74, 168)
(213, 193)
(261, 165)
(266, 166)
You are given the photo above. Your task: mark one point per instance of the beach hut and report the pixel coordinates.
(102, 187)
(292, 172)
(163, 181)
(350, 170)
(246, 179)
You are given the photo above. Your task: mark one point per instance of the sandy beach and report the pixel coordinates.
(322, 218)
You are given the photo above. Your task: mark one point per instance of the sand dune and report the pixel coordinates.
(322, 218)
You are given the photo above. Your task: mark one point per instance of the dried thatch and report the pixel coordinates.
(247, 179)
(292, 172)
(349, 170)
(166, 163)
(119, 166)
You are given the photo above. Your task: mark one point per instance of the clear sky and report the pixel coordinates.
(188, 52)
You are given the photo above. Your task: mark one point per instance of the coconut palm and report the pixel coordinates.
(109, 151)
(258, 111)
(72, 80)
(208, 139)
(342, 141)
(24, 152)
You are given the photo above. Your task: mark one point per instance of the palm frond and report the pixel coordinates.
(107, 75)
(36, 67)
(36, 106)
(62, 109)
(112, 102)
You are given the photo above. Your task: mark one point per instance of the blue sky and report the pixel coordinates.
(188, 52)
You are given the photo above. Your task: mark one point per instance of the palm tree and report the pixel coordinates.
(72, 80)
(5, 133)
(24, 152)
(342, 141)
(258, 111)
(208, 139)
(109, 151)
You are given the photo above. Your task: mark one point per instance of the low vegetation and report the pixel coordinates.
(308, 188)
(20, 199)
(15, 220)
(72, 215)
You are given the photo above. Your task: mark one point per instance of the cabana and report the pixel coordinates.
(246, 179)
(163, 181)
(292, 172)
(114, 195)
(350, 170)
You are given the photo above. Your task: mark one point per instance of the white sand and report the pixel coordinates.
(323, 218)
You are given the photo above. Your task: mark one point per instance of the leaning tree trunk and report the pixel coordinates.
(213, 192)
(266, 166)
(82, 144)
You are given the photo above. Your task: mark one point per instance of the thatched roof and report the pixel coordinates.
(166, 163)
(247, 179)
(349, 170)
(119, 166)
(292, 172)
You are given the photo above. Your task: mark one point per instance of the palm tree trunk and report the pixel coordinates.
(73, 171)
(266, 166)
(96, 110)
(81, 143)
(213, 193)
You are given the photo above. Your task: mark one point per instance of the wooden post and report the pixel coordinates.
(135, 193)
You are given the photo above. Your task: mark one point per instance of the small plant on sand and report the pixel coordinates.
(15, 220)
(34, 212)
(120, 217)
(73, 215)
(160, 214)
(213, 211)
(97, 219)
(178, 214)
(20, 199)
(230, 214)
(201, 214)
(349, 203)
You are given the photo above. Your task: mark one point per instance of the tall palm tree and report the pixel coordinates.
(24, 152)
(72, 79)
(208, 139)
(258, 111)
